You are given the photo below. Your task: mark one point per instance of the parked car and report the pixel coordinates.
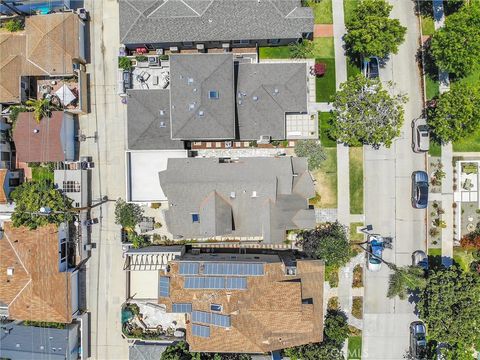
(374, 254)
(419, 258)
(419, 189)
(420, 135)
(418, 341)
(370, 67)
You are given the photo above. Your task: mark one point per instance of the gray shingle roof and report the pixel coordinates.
(265, 92)
(248, 197)
(148, 127)
(194, 113)
(164, 21)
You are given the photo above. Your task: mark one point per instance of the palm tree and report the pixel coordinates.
(404, 279)
(41, 108)
(301, 50)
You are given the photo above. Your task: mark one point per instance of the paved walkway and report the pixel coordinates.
(447, 155)
(343, 167)
(323, 107)
(323, 30)
(345, 290)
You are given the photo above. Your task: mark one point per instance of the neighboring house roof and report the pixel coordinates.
(29, 342)
(53, 41)
(143, 351)
(3, 193)
(45, 48)
(196, 113)
(43, 145)
(247, 197)
(265, 92)
(267, 315)
(148, 117)
(37, 290)
(167, 21)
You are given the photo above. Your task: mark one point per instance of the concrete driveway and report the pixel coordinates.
(388, 207)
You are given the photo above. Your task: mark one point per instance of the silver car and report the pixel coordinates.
(420, 135)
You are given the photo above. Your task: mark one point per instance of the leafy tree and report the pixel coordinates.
(456, 352)
(456, 113)
(124, 63)
(301, 50)
(365, 113)
(405, 279)
(335, 327)
(312, 150)
(317, 351)
(31, 196)
(138, 241)
(179, 351)
(449, 306)
(127, 215)
(328, 242)
(456, 46)
(41, 108)
(371, 32)
(13, 25)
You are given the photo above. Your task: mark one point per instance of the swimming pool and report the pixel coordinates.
(43, 7)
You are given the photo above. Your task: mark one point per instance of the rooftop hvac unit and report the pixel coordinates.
(264, 139)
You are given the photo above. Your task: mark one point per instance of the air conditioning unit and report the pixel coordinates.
(264, 139)
(195, 251)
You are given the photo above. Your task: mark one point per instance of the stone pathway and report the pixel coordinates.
(323, 107)
(323, 30)
(325, 215)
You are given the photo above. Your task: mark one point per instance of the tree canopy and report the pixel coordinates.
(30, 196)
(328, 242)
(456, 46)
(365, 113)
(371, 32)
(449, 306)
(405, 279)
(180, 351)
(312, 150)
(127, 215)
(456, 113)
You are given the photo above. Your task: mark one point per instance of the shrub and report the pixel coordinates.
(333, 303)
(155, 205)
(141, 58)
(253, 143)
(13, 25)
(157, 225)
(357, 276)
(357, 307)
(354, 331)
(124, 63)
(14, 111)
(332, 277)
(471, 240)
(319, 69)
(312, 150)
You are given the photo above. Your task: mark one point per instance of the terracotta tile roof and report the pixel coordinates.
(269, 315)
(37, 291)
(42, 146)
(3, 195)
(53, 41)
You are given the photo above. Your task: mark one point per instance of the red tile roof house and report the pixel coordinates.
(51, 140)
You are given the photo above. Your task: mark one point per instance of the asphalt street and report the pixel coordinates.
(387, 203)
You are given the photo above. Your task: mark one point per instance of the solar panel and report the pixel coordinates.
(202, 282)
(164, 286)
(188, 268)
(211, 318)
(241, 269)
(201, 317)
(234, 283)
(220, 320)
(181, 308)
(200, 330)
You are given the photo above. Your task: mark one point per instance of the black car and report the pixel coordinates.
(418, 340)
(370, 67)
(419, 189)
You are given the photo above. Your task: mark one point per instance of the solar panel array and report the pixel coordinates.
(181, 308)
(164, 288)
(229, 269)
(211, 318)
(189, 268)
(200, 330)
(216, 283)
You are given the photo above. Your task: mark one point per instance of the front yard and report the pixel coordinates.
(324, 128)
(326, 181)
(356, 180)
(325, 86)
(322, 11)
(322, 48)
(468, 144)
(354, 348)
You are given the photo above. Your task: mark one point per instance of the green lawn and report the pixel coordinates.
(323, 48)
(354, 348)
(472, 79)
(353, 68)
(325, 85)
(468, 144)
(354, 235)
(349, 7)
(274, 52)
(435, 149)
(461, 257)
(356, 180)
(326, 180)
(427, 25)
(431, 87)
(322, 12)
(40, 173)
(323, 129)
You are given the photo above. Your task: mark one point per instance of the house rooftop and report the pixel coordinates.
(265, 93)
(31, 284)
(246, 314)
(170, 21)
(202, 97)
(254, 197)
(148, 116)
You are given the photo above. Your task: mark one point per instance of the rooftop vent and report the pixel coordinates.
(190, 81)
(36, 131)
(255, 98)
(191, 106)
(213, 94)
(194, 89)
(254, 194)
(275, 91)
(162, 124)
(232, 194)
(10, 271)
(162, 112)
(201, 113)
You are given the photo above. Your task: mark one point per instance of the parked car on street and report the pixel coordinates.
(419, 189)
(418, 341)
(419, 258)
(420, 135)
(374, 253)
(370, 67)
